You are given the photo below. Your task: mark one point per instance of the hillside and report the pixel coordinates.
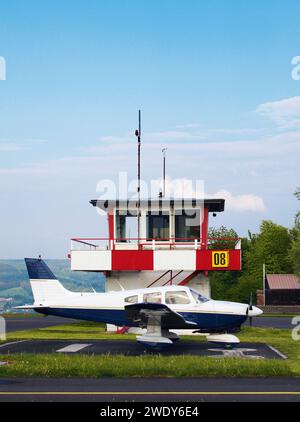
(14, 280)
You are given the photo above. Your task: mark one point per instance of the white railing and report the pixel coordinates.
(104, 244)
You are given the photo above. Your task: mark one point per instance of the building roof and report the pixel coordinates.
(213, 205)
(283, 282)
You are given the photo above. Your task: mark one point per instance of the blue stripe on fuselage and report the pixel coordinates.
(118, 317)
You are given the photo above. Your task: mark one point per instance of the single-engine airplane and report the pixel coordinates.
(156, 310)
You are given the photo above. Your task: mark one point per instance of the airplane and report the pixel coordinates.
(155, 310)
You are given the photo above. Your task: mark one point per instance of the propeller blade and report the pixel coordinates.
(251, 302)
(250, 309)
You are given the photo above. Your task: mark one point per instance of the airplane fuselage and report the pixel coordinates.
(110, 308)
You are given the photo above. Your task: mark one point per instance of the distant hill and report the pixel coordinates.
(14, 281)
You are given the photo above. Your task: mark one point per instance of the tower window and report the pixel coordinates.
(158, 226)
(126, 225)
(187, 225)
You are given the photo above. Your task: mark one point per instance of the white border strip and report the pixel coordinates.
(73, 348)
(277, 352)
(13, 342)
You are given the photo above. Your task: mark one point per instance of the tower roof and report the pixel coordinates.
(213, 205)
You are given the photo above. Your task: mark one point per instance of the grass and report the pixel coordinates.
(142, 366)
(20, 315)
(56, 365)
(75, 331)
(265, 315)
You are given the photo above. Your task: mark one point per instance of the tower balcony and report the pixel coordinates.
(132, 254)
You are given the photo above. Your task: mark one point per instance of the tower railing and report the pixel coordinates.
(104, 244)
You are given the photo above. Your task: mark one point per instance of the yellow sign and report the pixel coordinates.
(220, 259)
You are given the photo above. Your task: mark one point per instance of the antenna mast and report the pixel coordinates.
(164, 171)
(138, 133)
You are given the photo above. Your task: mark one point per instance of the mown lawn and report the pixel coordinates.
(75, 331)
(56, 365)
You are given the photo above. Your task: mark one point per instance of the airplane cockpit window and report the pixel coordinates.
(132, 299)
(177, 298)
(198, 297)
(153, 297)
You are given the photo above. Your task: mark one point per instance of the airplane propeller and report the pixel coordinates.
(250, 309)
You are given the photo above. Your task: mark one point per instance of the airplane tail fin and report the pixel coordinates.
(45, 286)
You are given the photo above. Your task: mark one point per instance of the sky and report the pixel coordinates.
(213, 78)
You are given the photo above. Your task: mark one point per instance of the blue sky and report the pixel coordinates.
(213, 79)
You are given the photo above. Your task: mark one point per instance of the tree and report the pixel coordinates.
(271, 247)
(294, 254)
(222, 238)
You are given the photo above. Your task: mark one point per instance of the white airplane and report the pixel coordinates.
(156, 310)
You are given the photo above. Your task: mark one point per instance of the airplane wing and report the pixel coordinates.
(28, 307)
(145, 313)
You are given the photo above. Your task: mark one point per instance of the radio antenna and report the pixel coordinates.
(164, 150)
(138, 134)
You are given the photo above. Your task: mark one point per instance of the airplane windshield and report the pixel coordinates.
(198, 297)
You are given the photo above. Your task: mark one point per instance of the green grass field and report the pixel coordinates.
(56, 365)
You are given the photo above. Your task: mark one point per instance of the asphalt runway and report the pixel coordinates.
(150, 390)
(29, 323)
(131, 348)
(272, 322)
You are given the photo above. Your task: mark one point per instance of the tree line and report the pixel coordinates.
(275, 246)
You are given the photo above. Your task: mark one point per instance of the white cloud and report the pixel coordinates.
(186, 188)
(9, 147)
(242, 202)
(156, 137)
(189, 126)
(173, 136)
(239, 131)
(284, 113)
(116, 139)
(180, 188)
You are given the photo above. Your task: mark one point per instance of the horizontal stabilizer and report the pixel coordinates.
(29, 307)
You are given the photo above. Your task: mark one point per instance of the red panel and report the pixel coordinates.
(111, 226)
(235, 260)
(204, 229)
(204, 261)
(132, 260)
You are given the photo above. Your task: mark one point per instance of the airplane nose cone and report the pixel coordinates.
(255, 312)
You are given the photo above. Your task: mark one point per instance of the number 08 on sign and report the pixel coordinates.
(220, 259)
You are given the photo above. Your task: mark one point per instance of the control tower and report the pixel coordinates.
(157, 242)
